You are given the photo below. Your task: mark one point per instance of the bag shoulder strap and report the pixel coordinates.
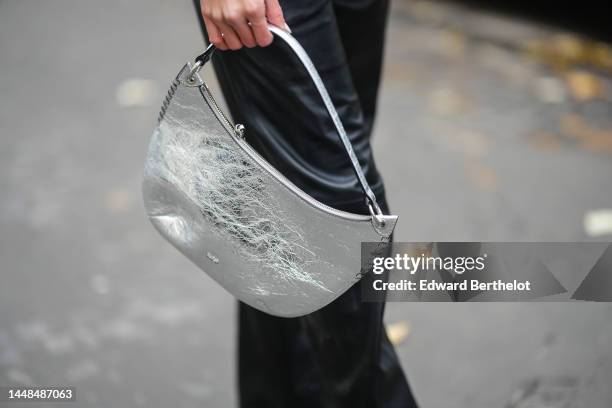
(316, 79)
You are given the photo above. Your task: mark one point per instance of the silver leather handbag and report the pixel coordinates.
(221, 204)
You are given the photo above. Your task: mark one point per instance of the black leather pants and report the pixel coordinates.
(340, 355)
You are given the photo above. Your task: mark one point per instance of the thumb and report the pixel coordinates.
(274, 14)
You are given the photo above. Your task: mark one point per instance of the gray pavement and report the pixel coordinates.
(487, 131)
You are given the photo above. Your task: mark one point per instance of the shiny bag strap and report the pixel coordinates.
(316, 79)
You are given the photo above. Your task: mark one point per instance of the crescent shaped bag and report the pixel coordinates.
(221, 204)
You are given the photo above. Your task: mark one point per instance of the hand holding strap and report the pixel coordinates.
(316, 79)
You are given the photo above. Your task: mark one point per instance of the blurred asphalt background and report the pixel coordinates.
(490, 128)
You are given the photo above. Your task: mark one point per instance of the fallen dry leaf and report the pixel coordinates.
(601, 56)
(397, 332)
(566, 51)
(583, 85)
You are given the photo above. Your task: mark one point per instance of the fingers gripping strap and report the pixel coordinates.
(316, 79)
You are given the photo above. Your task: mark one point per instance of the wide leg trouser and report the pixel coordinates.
(340, 355)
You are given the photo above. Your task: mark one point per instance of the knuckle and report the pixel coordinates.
(253, 7)
(251, 10)
(215, 15)
(233, 16)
